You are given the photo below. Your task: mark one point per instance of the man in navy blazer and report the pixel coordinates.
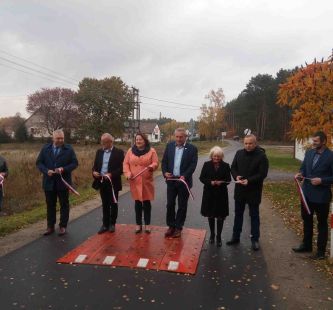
(179, 161)
(317, 174)
(54, 159)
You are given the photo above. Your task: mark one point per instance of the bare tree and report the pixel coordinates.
(56, 107)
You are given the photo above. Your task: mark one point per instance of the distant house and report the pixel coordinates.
(152, 131)
(35, 126)
(36, 129)
(9, 131)
(301, 148)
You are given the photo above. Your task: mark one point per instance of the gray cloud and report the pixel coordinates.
(173, 50)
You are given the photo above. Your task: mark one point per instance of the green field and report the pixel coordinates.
(282, 158)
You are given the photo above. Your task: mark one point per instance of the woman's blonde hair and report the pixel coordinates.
(216, 150)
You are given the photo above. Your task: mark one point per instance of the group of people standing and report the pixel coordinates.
(178, 163)
(249, 168)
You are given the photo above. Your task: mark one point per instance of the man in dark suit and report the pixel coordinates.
(249, 168)
(54, 159)
(317, 174)
(108, 165)
(179, 161)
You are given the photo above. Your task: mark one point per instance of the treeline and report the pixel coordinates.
(13, 129)
(256, 108)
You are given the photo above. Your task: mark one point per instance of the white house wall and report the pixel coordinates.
(300, 150)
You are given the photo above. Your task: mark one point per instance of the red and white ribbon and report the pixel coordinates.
(236, 182)
(141, 172)
(184, 182)
(2, 184)
(331, 252)
(113, 194)
(302, 197)
(70, 188)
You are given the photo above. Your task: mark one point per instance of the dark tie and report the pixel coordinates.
(315, 159)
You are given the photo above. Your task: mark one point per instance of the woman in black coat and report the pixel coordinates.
(215, 175)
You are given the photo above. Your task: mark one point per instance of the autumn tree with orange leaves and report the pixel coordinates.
(212, 115)
(309, 92)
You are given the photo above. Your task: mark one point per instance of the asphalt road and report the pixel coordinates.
(227, 277)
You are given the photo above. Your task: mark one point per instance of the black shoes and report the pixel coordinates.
(169, 233)
(177, 233)
(102, 230)
(255, 246)
(138, 229)
(302, 249)
(218, 240)
(233, 241)
(147, 229)
(305, 249)
(62, 231)
(49, 231)
(318, 256)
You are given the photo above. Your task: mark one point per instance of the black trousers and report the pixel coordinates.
(51, 203)
(238, 220)
(144, 206)
(174, 190)
(110, 208)
(219, 226)
(322, 211)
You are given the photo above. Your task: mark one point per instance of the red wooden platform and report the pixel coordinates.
(124, 248)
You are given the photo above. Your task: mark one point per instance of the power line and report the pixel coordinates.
(34, 70)
(165, 106)
(37, 65)
(65, 79)
(149, 111)
(174, 102)
(27, 72)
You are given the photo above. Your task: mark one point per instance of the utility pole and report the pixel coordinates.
(135, 121)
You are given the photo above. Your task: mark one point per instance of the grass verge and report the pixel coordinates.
(16, 221)
(282, 159)
(285, 200)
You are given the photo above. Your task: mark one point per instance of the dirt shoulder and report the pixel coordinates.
(295, 278)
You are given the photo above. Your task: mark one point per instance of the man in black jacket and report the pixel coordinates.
(108, 165)
(249, 168)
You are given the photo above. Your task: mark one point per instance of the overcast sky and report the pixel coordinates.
(173, 50)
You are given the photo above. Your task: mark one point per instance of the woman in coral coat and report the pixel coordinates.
(139, 157)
